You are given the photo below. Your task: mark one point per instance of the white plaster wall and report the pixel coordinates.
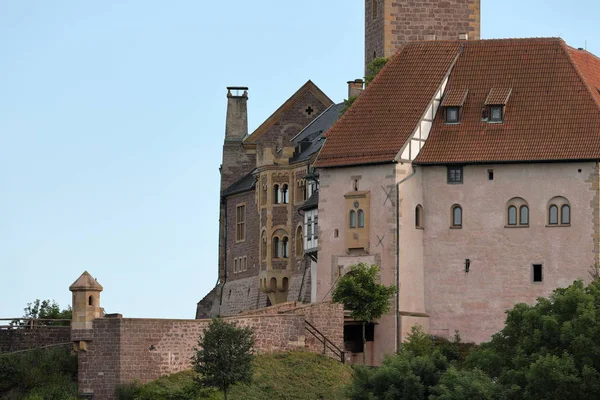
(501, 258)
(334, 183)
(411, 273)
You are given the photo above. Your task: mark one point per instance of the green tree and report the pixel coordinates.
(361, 294)
(550, 350)
(465, 384)
(224, 355)
(44, 309)
(409, 375)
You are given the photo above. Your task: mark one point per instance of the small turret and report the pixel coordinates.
(86, 301)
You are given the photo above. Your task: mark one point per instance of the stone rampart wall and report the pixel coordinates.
(22, 338)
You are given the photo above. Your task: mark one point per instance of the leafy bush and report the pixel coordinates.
(48, 374)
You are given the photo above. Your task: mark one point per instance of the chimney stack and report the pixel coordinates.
(355, 88)
(236, 124)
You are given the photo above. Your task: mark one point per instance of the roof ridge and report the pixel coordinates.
(567, 50)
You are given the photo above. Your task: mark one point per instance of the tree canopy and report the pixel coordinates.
(224, 355)
(548, 350)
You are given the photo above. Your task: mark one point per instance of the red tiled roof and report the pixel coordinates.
(455, 98)
(384, 116)
(551, 115)
(498, 97)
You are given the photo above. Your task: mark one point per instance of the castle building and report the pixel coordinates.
(268, 231)
(468, 171)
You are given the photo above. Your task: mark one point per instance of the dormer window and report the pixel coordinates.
(495, 105)
(452, 115)
(453, 102)
(496, 114)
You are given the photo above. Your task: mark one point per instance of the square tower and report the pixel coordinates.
(391, 23)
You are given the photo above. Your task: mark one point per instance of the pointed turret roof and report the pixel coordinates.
(86, 282)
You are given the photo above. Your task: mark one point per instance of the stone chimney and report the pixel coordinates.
(236, 124)
(355, 88)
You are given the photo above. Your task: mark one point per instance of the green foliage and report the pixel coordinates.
(348, 103)
(224, 355)
(360, 293)
(373, 69)
(45, 309)
(410, 374)
(465, 384)
(290, 376)
(48, 374)
(180, 386)
(549, 350)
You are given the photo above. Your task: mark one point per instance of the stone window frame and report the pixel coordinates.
(452, 179)
(360, 217)
(453, 224)
(419, 217)
(285, 194)
(281, 250)
(519, 205)
(352, 219)
(563, 207)
(541, 281)
(240, 222)
(263, 245)
(276, 194)
(299, 241)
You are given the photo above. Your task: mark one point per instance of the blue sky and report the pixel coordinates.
(112, 120)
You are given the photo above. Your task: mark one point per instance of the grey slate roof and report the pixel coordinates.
(311, 203)
(311, 137)
(245, 184)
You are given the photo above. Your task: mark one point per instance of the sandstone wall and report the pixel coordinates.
(16, 339)
(124, 350)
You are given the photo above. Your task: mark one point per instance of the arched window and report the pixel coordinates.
(553, 215)
(419, 217)
(91, 301)
(565, 215)
(361, 219)
(559, 204)
(456, 216)
(299, 242)
(276, 248)
(524, 215)
(263, 244)
(273, 284)
(512, 215)
(276, 194)
(285, 194)
(284, 247)
(352, 219)
(517, 213)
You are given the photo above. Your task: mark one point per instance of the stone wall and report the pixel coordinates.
(396, 22)
(125, 350)
(327, 317)
(16, 339)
